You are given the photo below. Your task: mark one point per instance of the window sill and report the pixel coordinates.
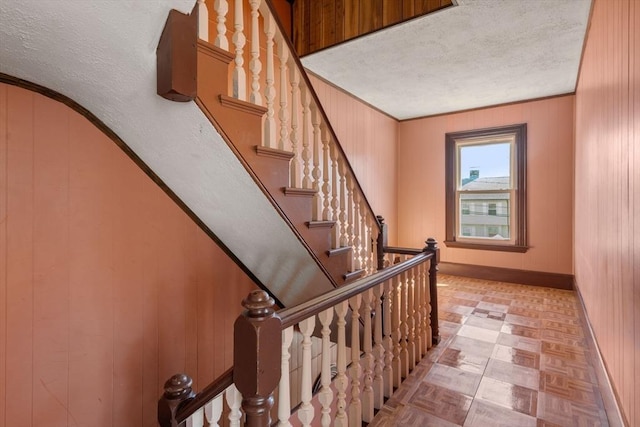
(486, 247)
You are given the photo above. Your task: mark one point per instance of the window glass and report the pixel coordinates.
(485, 188)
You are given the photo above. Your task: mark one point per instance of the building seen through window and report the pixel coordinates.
(485, 187)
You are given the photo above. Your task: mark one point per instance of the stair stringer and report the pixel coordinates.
(240, 122)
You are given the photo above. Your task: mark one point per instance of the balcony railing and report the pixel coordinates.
(389, 316)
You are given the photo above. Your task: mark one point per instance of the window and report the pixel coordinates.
(486, 189)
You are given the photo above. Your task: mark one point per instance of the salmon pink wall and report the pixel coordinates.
(369, 139)
(106, 287)
(421, 188)
(607, 209)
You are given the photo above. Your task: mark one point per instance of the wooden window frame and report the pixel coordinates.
(520, 242)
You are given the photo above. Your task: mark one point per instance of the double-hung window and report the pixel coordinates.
(486, 189)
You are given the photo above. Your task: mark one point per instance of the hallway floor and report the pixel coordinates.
(511, 355)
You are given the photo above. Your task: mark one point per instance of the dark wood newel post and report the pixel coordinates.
(432, 246)
(257, 343)
(381, 242)
(177, 391)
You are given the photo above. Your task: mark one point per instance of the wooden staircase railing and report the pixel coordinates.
(255, 91)
(394, 305)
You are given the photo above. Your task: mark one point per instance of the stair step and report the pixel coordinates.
(339, 251)
(238, 104)
(300, 192)
(352, 275)
(320, 224)
(274, 153)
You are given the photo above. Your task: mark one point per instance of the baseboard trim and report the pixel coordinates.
(609, 396)
(510, 275)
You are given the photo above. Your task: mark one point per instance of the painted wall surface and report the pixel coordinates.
(369, 139)
(421, 185)
(607, 208)
(106, 287)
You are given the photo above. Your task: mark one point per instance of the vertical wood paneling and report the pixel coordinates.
(340, 23)
(3, 252)
(318, 24)
(351, 18)
(50, 269)
(366, 17)
(329, 22)
(19, 256)
(391, 12)
(369, 139)
(106, 287)
(421, 210)
(606, 211)
(315, 30)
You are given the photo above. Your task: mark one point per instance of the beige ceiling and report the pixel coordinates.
(475, 54)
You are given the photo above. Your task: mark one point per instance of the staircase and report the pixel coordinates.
(272, 120)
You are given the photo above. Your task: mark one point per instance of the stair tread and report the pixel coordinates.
(320, 224)
(339, 251)
(294, 191)
(352, 275)
(241, 105)
(274, 152)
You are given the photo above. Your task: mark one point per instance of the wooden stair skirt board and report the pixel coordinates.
(498, 274)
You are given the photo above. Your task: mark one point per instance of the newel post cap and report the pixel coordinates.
(177, 390)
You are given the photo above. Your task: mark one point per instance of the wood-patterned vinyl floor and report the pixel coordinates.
(511, 355)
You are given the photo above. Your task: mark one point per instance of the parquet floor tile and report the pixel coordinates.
(510, 355)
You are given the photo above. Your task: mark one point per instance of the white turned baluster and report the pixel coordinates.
(270, 90)
(395, 328)
(326, 394)
(350, 228)
(344, 241)
(196, 420)
(283, 56)
(426, 312)
(306, 137)
(341, 419)
(417, 311)
(373, 264)
(335, 203)
(306, 411)
(295, 179)
(203, 21)
(326, 173)
(404, 327)
(357, 242)
(221, 8)
(239, 40)
(355, 407)
(284, 392)
(378, 348)
(255, 66)
(365, 243)
(368, 361)
(234, 401)
(213, 411)
(387, 340)
(411, 326)
(317, 174)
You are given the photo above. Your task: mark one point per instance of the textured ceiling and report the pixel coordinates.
(475, 54)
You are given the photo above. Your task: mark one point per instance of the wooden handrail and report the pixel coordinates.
(305, 77)
(209, 392)
(179, 402)
(293, 315)
(401, 251)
